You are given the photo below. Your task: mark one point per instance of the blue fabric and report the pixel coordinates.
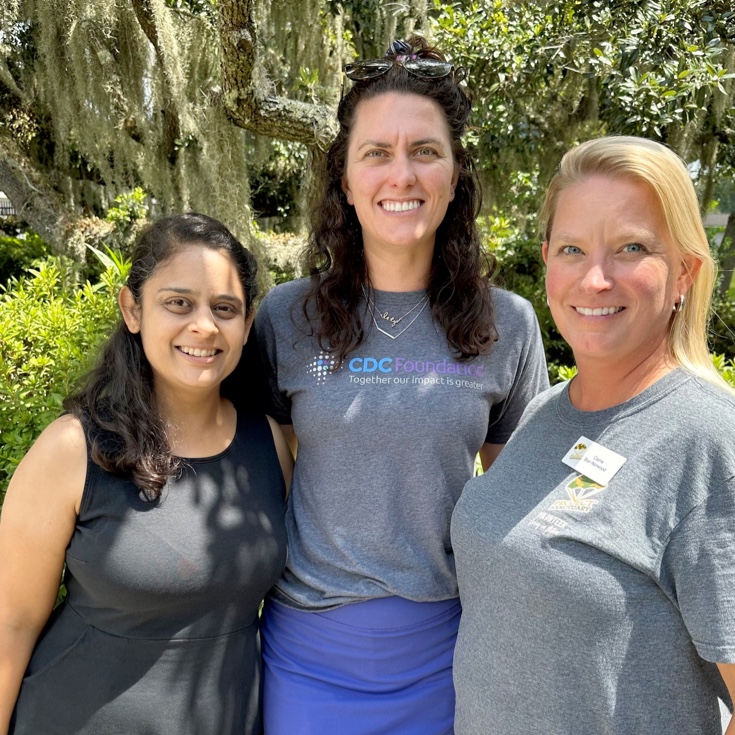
(378, 667)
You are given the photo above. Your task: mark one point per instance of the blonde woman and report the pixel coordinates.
(596, 558)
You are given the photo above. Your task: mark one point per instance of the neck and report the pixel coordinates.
(599, 385)
(407, 271)
(196, 425)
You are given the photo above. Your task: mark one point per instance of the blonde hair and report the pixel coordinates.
(660, 168)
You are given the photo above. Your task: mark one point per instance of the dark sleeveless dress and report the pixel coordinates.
(159, 634)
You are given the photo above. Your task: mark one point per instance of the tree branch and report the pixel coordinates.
(246, 105)
(6, 78)
(171, 121)
(38, 205)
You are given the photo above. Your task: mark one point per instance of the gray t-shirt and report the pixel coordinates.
(386, 443)
(589, 610)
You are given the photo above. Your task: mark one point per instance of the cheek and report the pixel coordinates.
(653, 284)
(554, 281)
(151, 350)
(444, 180)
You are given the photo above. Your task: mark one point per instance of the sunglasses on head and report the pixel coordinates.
(424, 68)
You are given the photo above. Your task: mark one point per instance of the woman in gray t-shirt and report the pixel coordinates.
(596, 559)
(392, 367)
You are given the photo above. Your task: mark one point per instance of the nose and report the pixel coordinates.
(597, 277)
(402, 174)
(203, 322)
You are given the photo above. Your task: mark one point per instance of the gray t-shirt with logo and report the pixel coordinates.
(601, 609)
(386, 443)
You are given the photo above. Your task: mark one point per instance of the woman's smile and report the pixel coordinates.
(197, 352)
(400, 173)
(613, 273)
(393, 206)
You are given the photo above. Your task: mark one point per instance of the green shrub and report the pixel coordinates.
(722, 327)
(51, 327)
(17, 254)
(725, 367)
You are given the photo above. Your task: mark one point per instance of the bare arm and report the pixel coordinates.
(488, 454)
(728, 674)
(38, 520)
(291, 437)
(284, 450)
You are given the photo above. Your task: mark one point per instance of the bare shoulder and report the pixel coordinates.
(54, 469)
(65, 433)
(38, 520)
(61, 447)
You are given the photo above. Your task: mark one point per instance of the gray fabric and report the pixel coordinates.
(159, 632)
(602, 620)
(386, 443)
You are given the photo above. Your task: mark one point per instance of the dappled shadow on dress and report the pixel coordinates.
(159, 634)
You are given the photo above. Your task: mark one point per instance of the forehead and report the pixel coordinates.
(392, 114)
(197, 264)
(616, 202)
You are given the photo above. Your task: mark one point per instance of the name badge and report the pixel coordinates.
(593, 460)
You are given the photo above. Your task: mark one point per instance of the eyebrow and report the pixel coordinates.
(642, 235)
(191, 292)
(414, 144)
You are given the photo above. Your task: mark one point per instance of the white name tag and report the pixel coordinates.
(593, 460)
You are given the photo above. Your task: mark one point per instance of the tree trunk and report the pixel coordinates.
(245, 100)
(727, 256)
(38, 205)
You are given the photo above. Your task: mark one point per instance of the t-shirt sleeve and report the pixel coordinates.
(277, 403)
(529, 379)
(698, 571)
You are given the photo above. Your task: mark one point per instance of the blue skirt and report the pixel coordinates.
(380, 667)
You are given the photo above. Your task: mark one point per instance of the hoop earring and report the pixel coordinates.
(679, 306)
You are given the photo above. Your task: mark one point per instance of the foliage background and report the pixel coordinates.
(51, 326)
(115, 112)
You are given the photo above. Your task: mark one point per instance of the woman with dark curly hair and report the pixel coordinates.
(165, 503)
(391, 367)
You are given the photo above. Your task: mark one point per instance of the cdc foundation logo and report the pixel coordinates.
(320, 366)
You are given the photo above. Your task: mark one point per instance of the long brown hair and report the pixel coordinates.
(116, 401)
(459, 293)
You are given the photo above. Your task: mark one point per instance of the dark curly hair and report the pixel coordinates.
(116, 401)
(459, 293)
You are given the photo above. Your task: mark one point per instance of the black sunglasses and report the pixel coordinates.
(424, 68)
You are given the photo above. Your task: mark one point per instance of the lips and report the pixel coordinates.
(196, 352)
(599, 311)
(407, 206)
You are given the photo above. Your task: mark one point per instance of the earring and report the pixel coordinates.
(680, 305)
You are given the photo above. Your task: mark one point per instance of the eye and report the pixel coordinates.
(227, 311)
(426, 151)
(376, 153)
(570, 250)
(634, 247)
(178, 305)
